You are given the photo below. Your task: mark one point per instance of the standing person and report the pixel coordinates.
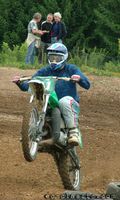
(33, 38)
(46, 26)
(46, 38)
(58, 31)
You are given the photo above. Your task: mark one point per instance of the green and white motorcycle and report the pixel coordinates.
(37, 129)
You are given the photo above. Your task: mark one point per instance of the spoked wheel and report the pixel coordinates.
(29, 134)
(70, 175)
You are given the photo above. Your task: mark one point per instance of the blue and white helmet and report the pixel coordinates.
(57, 55)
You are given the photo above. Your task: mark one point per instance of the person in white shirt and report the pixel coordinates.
(33, 38)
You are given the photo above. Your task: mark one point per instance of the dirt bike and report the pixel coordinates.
(37, 129)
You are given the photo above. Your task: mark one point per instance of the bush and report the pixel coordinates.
(96, 58)
(112, 66)
(93, 57)
(13, 57)
(21, 53)
(6, 54)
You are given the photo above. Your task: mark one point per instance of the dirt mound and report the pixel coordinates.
(100, 127)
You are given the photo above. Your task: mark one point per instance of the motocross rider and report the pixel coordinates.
(66, 91)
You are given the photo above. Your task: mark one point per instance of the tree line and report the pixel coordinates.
(89, 23)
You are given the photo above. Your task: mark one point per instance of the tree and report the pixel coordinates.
(108, 25)
(89, 23)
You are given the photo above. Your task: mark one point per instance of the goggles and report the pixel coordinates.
(55, 58)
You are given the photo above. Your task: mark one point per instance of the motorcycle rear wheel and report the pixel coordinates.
(29, 144)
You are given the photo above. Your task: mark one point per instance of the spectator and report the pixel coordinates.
(46, 38)
(47, 25)
(58, 31)
(33, 38)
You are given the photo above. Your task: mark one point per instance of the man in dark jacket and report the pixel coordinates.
(46, 38)
(58, 31)
(47, 25)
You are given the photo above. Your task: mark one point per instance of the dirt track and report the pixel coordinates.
(100, 157)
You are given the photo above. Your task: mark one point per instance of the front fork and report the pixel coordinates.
(72, 153)
(42, 115)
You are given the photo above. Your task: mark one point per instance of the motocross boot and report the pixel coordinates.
(73, 139)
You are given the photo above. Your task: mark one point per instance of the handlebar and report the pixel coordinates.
(54, 77)
(63, 78)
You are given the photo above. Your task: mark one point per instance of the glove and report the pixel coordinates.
(75, 78)
(16, 79)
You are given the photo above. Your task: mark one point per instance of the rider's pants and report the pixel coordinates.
(70, 110)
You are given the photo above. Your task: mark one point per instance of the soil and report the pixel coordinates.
(100, 127)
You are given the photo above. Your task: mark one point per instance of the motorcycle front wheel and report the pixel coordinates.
(29, 134)
(70, 175)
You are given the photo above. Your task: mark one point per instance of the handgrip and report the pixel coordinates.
(25, 78)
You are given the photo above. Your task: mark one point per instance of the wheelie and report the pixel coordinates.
(50, 121)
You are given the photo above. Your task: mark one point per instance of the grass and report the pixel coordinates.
(88, 70)
(92, 62)
(99, 72)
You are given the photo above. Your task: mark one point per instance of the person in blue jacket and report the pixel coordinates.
(66, 91)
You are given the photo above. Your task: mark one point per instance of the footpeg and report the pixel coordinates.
(46, 142)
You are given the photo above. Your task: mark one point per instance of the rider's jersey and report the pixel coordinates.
(62, 88)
